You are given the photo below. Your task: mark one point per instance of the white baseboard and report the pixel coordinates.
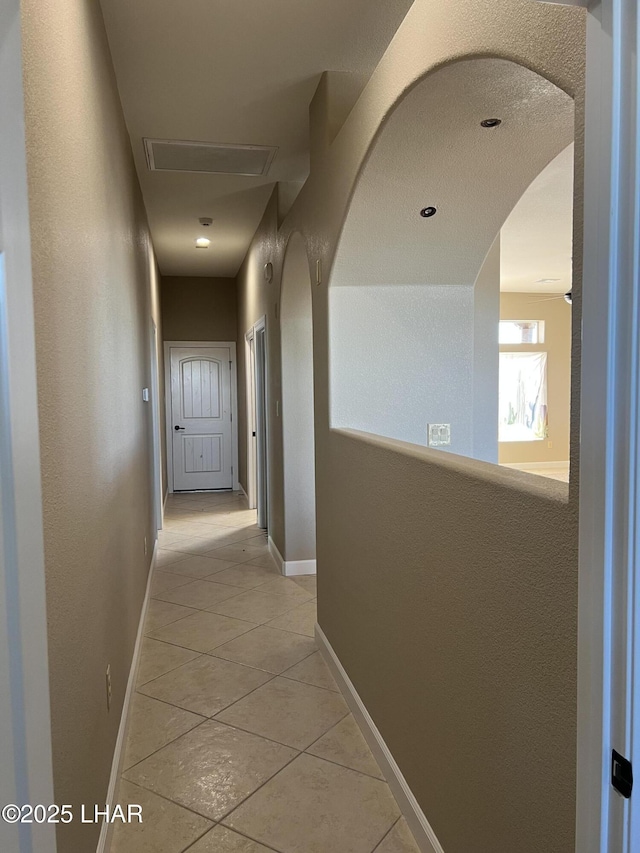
(241, 489)
(291, 567)
(118, 754)
(418, 824)
(299, 567)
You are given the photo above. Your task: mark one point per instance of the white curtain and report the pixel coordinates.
(523, 396)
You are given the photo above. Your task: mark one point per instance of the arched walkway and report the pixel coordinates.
(414, 294)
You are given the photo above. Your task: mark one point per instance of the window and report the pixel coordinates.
(523, 396)
(521, 331)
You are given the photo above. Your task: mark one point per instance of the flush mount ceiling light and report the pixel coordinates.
(427, 212)
(202, 243)
(491, 122)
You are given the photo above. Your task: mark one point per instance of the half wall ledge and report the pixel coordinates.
(488, 472)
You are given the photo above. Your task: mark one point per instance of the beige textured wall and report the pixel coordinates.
(557, 344)
(458, 631)
(199, 309)
(94, 280)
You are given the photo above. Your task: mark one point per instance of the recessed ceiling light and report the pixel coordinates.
(202, 243)
(491, 122)
(547, 280)
(426, 212)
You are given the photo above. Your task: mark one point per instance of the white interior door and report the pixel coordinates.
(201, 418)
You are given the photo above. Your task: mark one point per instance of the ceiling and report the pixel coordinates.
(231, 71)
(536, 240)
(429, 154)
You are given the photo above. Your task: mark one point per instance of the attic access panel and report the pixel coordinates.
(170, 155)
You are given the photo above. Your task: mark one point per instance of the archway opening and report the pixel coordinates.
(296, 326)
(416, 285)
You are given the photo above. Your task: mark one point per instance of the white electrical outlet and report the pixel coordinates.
(108, 687)
(438, 435)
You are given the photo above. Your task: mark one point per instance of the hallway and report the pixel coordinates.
(238, 737)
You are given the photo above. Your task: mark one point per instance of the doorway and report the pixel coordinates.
(201, 439)
(258, 474)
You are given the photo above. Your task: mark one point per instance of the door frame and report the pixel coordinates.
(609, 595)
(252, 460)
(234, 405)
(26, 774)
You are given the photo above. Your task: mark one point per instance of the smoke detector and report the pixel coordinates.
(206, 221)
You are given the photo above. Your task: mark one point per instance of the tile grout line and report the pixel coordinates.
(337, 763)
(230, 598)
(198, 655)
(208, 511)
(212, 718)
(387, 834)
(201, 609)
(226, 707)
(243, 800)
(241, 834)
(175, 803)
(212, 651)
(168, 743)
(231, 725)
(246, 622)
(299, 750)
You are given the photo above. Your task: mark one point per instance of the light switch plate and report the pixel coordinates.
(438, 435)
(145, 395)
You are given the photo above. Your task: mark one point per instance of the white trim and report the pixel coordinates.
(299, 567)
(241, 489)
(104, 841)
(249, 362)
(291, 567)
(252, 456)
(608, 704)
(234, 404)
(418, 824)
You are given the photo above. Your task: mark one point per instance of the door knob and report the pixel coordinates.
(178, 427)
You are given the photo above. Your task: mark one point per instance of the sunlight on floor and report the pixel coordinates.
(555, 471)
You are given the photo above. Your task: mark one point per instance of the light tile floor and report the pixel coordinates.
(239, 740)
(557, 471)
